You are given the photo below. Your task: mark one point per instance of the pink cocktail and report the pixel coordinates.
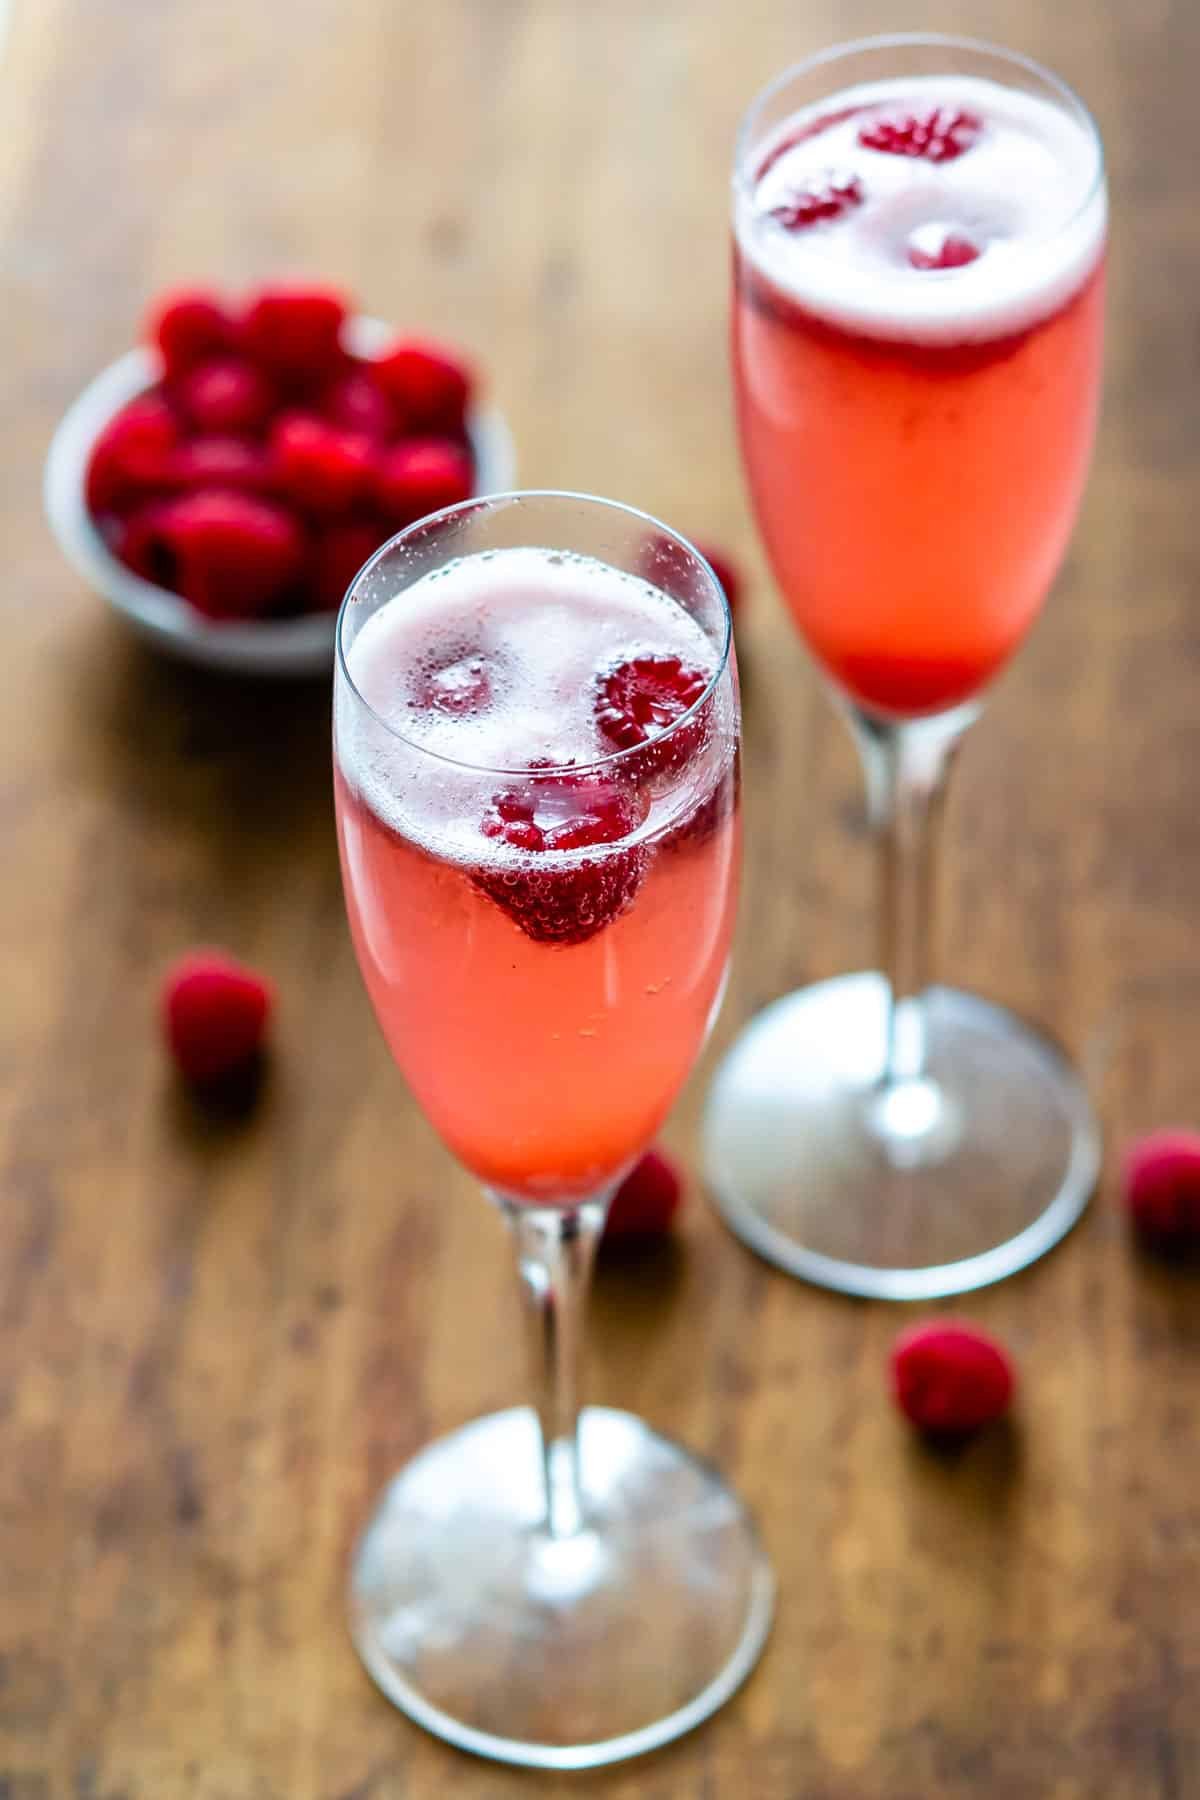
(536, 777)
(918, 277)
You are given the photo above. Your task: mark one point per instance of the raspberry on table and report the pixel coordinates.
(188, 325)
(1161, 1178)
(647, 1201)
(949, 1378)
(215, 1012)
(235, 554)
(428, 384)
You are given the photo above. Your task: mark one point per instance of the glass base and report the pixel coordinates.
(937, 1186)
(559, 1653)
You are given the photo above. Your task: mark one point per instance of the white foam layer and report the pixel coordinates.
(1029, 193)
(541, 624)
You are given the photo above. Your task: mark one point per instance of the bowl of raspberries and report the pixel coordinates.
(222, 483)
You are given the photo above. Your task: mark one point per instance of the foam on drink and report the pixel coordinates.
(1028, 194)
(520, 634)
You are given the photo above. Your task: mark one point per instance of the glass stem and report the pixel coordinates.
(555, 1252)
(906, 765)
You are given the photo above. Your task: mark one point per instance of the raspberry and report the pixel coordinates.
(462, 685)
(827, 199)
(647, 1200)
(1162, 1191)
(137, 540)
(215, 1012)
(936, 247)
(639, 700)
(188, 325)
(355, 402)
(225, 396)
(708, 814)
(235, 555)
(318, 467)
(341, 551)
(227, 462)
(295, 330)
(949, 1378)
(725, 570)
(130, 453)
(430, 386)
(551, 812)
(421, 476)
(937, 136)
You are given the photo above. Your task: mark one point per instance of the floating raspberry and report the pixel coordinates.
(949, 1378)
(318, 467)
(340, 552)
(188, 325)
(129, 456)
(354, 401)
(938, 136)
(706, 815)
(831, 197)
(568, 902)
(295, 330)
(234, 555)
(1162, 1192)
(937, 247)
(726, 572)
(225, 462)
(225, 397)
(647, 1200)
(215, 1012)
(429, 385)
(460, 686)
(639, 700)
(420, 476)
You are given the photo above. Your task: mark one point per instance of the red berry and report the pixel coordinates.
(340, 552)
(130, 454)
(937, 136)
(420, 476)
(726, 572)
(950, 1378)
(1162, 1191)
(215, 1012)
(934, 247)
(235, 555)
(188, 325)
(547, 813)
(830, 198)
(318, 467)
(225, 396)
(295, 330)
(647, 1200)
(641, 699)
(136, 539)
(429, 385)
(354, 401)
(227, 462)
(459, 686)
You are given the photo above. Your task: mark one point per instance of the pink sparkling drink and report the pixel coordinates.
(916, 341)
(544, 949)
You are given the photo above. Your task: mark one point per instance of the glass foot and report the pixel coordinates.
(943, 1184)
(567, 1653)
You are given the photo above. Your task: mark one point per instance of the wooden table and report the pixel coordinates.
(217, 1340)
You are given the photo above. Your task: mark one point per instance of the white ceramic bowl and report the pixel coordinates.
(299, 646)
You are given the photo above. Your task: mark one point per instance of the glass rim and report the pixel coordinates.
(509, 497)
(743, 186)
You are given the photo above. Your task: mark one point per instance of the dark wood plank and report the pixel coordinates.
(215, 1342)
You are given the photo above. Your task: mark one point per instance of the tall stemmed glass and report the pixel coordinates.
(536, 754)
(918, 285)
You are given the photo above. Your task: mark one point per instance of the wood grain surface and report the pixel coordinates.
(218, 1338)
